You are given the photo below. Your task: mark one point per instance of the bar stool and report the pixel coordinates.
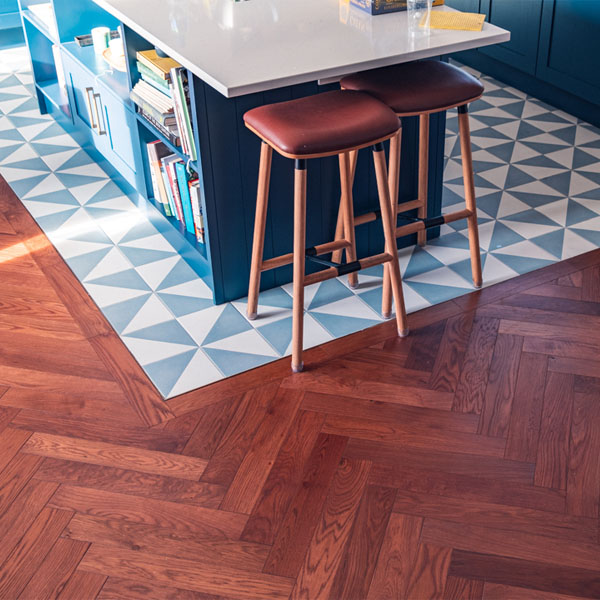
(328, 124)
(422, 88)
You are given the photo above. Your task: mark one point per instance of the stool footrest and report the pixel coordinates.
(416, 225)
(375, 215)
(288, 259)
(342, 268)
(331, 272)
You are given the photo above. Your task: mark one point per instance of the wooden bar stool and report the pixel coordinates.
(328, 124)
(422, 88)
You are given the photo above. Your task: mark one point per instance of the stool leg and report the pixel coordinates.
(347, 210)
(390, 238)
(339, 228)
(394, 185)
(299, 263)
(262, 201)
(423, 173)
(467, 166)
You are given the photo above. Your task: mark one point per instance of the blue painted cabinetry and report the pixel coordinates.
(553, 54)
(11, 33)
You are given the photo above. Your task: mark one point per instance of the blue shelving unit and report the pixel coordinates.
(11, 33)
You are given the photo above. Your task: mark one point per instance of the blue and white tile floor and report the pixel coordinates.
(538, 189)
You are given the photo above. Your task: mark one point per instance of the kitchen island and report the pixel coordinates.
(240, 55)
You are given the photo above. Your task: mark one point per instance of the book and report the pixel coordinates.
(152, 78)
(169, 132)
(184, 194)
(169, 165)
(165, 119)
(197, 209)
(156, 151)
(150, 94)
(159, 65)
(167, 184)
(383, 7)
(180, 86)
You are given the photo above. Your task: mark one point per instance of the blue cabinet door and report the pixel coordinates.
(464, 5)
(570, 47)
(522, 19)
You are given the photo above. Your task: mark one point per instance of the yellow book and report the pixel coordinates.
(453, 20)
(161, 66)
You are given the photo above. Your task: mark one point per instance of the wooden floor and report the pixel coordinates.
(460, 462)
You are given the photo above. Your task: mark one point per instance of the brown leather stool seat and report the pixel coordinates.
(417, 87)
(323, 124)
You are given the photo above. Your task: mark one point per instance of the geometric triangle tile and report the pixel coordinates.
(551, 242)
(555, 211)
(351, 307)
(199, 371)
(522, 264)
(496, 270)
(590, 235)
(575, 244)
(56, 159)
(199, 324)
(509, 205)
(328, 292)
(168, 332)
(165, 372)
(249, 341)
(128, 279)
(230, 322)
(506, 236)
(529, 249)
(105, 296)
(181, 305)
(20, 154)
(532, 216)
(341, 325)
(580, 184)
(231, 363)
(51, 222)
(421, 261)
(140, 256)
(155, 273)
(181, 272)
(120, 315)
(46, 186)
(82, 264)
(278, 334)
(435, 293)
(151, 312)
(521, 229)
(113, 262)
(577, 213)
(443, 276)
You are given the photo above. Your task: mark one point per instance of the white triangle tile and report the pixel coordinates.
(18, 89)
(529, 230)
(528, 249)
(475, 124)
(250, 342)
(593, 205)
(486, 231)
(106, 295)
(314, 335)
(580, 184)
(122, 203)
(30, 131)
(585, 135)
(89, 170)
(509, 205)
(46, 186)
(61, 140)
(198, 324)
(547, 138)
(12, 106)
(557, 211)
(447, 255)
(574, 244)
(515, 92)
(404, 256)
(43, 209)
(548, 126)
(352, 306)
(55, 161)
(11, 174)
(595, 152)
(565, 116)
(23, 152)
(541, 172)
(310, 291)
(151, 313)
(5, 125)
(441, 276)
(496, 176)
(113, 262)
(510, 129)
(485, 156)
(590, 225)
(495, 271)
(413, 301)
(487, 142)
(71, 248)
(84, 193)
(563, 157)
(153, 242)
(591, 168)
(453, 169)
(522, 152)
(536, 187)
(196, 288)
(117, 225)
(150, 351)
(532, 109)
(266, 314)
(199, 372)
(154, 273)
(78, 224)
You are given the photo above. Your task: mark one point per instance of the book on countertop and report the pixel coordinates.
(169, 131)
(184, 194)
(383, 7)
(159, 65)
(157, 151)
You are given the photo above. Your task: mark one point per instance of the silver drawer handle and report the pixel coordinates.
(99, 111)
(91, 110)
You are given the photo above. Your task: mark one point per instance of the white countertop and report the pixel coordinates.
(244, 47)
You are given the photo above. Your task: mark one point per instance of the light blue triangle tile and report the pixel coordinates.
(341, 325)
(551, 242)
(58, 197)
(593, 194)
(232, 363)
(276, 297)
(169, 331)
(504, 236)
(31, 164)
(451, 240)
(69, 180)
(479, 166)
(184, 305)
(7, 151)
(543, 147)
(567, 134)
(420, 262)
(541, 161)
(373, 298)
(23, 186)
(91, 235)
(514, 108)
(143, 256)
(19, 122)
(490, 204)
(180, 273)
(501, 92)
(577, 213)
(533, 200)
(128, 279)
(10, 81)
(531, 216)
(590, 235)
(493, 121)
(560, 182)
(463, 267)
(11, 134)
(83, 265)
(549, 117)
(328, 292)
(98, 213)
(436, 294)
(230, 322)
(522, 264)
(376, 271)
(79, 159)
(52, 131)
(164, 374)
(503, 151)
(46, 149)
(278, 334)
(489, 132)
(28, 105)
(120, 315)
(140, 230)
(516, 177)
(583, 159)
(51, 223)
(527, 130)
(450, 197)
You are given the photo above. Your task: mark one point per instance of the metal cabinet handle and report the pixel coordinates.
(99, 111)
(91, 110)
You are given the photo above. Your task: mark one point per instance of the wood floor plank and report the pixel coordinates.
(135, 483)
(590, 285)
(555, 291)
(284, 478)
(29, 553)
(428, 578)
(14, 478)
(552, 578)
(495, 591)
(7, 413)
(82, 584)
(108, 532)
(356, 570)
(117, 588)
(554, 304)
(325, 553)
(112, 455)
(556, 331)
(568, 349)
(396, 558)
(583, 480)
(246, 487)
(424, 348)
(186, 574)
(474, 375)
(11, 441)
(304, 510)
(499, 394)
(56, 569)
(525, 420)
(553, 445)
(574, 366)
(461, 588)
(205, 523)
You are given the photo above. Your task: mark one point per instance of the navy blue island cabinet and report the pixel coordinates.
(553, 54)
(91, 101)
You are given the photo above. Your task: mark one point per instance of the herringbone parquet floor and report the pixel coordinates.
(461, 462)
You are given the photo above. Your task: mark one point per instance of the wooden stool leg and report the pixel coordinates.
(390, 238)
(299, 263)
(423, 173)
(394, 185)
(467, 166)
(260, 220)
(347, 209)
(339, 229)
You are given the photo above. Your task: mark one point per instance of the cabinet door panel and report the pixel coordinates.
(570, 47)
(522, 19)
(464, 5)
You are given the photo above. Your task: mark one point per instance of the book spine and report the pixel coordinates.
(159, 117)
(163, 90)
(179, 120)
(158, 184)
(186, 115)
(160, 101)
(151, 77)
(148, 64)
(197, 211)
(167, 184)
(184, 193)
(174, 139)
(175, 190)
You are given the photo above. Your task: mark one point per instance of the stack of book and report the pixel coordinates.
(162, 97)
(175, 189)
